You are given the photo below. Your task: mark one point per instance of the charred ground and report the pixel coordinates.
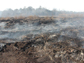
(58, 44)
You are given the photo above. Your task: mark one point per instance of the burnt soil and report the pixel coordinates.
(42, 48)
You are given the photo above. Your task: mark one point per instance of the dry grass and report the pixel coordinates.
(63, 16)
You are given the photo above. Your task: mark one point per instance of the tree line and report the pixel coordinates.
(31, 11)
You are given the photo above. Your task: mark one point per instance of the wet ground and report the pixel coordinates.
(42, 40)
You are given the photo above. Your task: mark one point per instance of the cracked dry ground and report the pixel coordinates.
(44, 48)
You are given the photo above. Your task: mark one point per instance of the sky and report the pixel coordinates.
(67, 5)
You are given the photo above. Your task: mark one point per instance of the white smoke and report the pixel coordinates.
(18, 31)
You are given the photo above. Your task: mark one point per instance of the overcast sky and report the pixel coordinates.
(69, 5)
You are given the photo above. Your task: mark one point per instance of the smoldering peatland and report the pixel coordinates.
(57, 37)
